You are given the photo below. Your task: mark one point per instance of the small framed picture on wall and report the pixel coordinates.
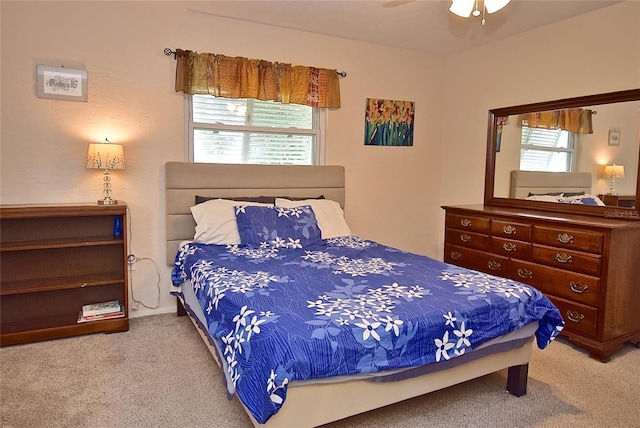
(614, 137)
(60, 83)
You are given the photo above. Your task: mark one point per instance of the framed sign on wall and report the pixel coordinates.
(614, 137)
(61, 83)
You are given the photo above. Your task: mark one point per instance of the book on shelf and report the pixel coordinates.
(101, 308)
(89, 318)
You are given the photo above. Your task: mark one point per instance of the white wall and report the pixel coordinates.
(596, 151)
(394, 194)
(132, 102)
(593, 53)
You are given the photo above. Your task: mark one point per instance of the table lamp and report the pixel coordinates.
(106, 156)
(613, 171)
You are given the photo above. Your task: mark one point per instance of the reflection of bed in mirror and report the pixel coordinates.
(558, 187)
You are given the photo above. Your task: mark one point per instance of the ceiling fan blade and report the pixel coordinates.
(462, 8)
(395, 3)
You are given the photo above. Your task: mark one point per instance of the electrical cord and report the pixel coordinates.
(139, 302)
(131, 259)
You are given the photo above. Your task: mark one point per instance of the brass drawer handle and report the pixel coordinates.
(574, 316)
(578, 287)
(525, 273)
(465, 238)
(563, 258)
(493, 265)
(456, 255)
(565, 238)
(509, 230)
(509, 246)
(465, 222)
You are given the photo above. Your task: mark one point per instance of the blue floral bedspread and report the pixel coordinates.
(342, 306)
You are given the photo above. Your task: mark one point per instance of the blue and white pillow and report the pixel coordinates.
(584, 199)
(277, 226)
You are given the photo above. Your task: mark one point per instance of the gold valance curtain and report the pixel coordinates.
(238, 77)
(577, 120)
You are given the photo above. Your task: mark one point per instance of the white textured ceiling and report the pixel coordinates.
(421, 25)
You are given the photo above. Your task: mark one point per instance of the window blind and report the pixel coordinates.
(252, 131)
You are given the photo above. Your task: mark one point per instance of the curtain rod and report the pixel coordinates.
(169, 52)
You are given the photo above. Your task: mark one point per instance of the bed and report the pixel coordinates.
(392, 367)
(559, 187)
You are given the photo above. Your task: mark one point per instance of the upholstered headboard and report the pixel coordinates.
(525, 182)
(184, 180)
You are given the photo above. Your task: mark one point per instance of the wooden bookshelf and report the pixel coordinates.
(626, 201)
(53, 260)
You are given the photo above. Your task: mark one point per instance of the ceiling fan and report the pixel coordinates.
(466, 8)
(463, 8)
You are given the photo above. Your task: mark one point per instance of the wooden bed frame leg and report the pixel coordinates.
(517, 380)
(180, 310)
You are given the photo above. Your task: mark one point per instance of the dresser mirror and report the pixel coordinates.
(608, 134)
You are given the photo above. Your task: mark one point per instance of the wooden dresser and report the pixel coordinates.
(53, 260)
(589, 267)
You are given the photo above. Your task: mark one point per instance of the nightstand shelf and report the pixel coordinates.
(626, 201)
(54, 260)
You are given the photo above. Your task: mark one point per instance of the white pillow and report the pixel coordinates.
(216, 221)
(329, 215)
(544, 198)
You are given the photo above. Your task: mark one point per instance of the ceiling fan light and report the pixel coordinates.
(495, 5)
(462, 8)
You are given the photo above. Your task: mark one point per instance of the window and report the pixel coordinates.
(225, 130)
(547, 150)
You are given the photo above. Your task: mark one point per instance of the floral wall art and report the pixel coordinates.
(388, 123)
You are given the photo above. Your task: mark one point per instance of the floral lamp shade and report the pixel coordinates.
(105, 156)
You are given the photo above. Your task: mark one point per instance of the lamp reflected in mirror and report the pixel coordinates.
(613, 171)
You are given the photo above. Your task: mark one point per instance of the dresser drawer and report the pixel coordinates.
(477, 260)
(566, 259)
(470, 223)
(573, 286)
(467, 239)
(512, 230)
(577, 318)
(573, 239)
(511, 248)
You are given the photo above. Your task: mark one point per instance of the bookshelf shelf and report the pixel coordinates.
(60, 243)
(60, 283)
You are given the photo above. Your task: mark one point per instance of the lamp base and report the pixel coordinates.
(107, 202)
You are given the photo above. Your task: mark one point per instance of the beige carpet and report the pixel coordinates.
(160, 374)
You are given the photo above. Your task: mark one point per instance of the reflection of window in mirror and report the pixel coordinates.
(550, 150)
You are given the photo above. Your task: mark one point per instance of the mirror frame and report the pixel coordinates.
(590, 100)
